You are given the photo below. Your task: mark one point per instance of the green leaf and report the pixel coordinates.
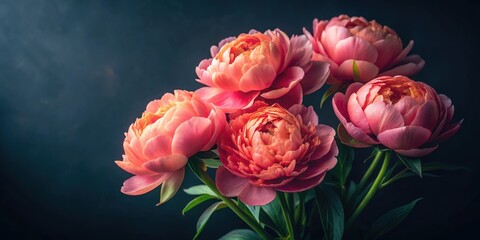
(203, 219)
(352, 188)
(356, 71)
(433, 166)
(241, 234)
(354, 198)
(271, 215)
(330, 91)
(391, 219)
(196, 201)
(254, 211)
(413, 164)
(331, 213)
(344, 164)
(200, 190)
(212, 163)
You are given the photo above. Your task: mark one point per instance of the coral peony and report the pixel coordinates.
(406, 116)
(158, 144)
(267, 66)
(267, 148)
(359, 50)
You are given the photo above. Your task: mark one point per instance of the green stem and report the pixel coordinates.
(300, 212)
(234, 207)
(370, 170)
(372, 191)
(286, 214)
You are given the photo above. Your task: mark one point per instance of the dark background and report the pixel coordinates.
(75, 74)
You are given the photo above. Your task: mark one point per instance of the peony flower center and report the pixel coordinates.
(149, 118)
(396, 89)
(244, 44)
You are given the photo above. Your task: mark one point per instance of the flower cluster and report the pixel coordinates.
(262, 141)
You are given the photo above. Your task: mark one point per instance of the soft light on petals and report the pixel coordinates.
(406, 116)
(377, 49)
(158, 144)
(198, 129)
(382, 117)
(257, 196)
(227, 101)
(170, 163)
(259, 66)
(141, 184)
(229, 184)
(258, 77)
(267, 147)
(404, 138)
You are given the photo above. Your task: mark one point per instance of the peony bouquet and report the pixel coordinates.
(273, 163)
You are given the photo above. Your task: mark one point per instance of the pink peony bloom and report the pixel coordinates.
(377, 50)
(267, 148)
(406, 116)
(267, 66)
(158, 145)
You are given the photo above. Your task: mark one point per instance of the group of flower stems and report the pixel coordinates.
(292, 210)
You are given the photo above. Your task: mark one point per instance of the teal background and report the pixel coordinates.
(75, 74)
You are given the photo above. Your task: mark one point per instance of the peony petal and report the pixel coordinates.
(354, 48)
(402, 54)
(417, 152)
(294, 96)
(299, 185)
(229, 184)
(197, 128)
(326, 136)
(227, 101)
(331, 36)
(356, 114)
(257, 196)
(404, 138)
(171, 185)
(307, 113)
(321, 165)
(158, 146)
(388, 49)
(219, 121)
(347, 139)
(141, 184)
(382, 117)
(358, 134)
(167, 163)
(449, 131)
(367, 71)
(203, 75)
(339, 107)
(287, 80)
(224, 81)
(427, 116)
(404, 105)
(299, 52)
(315, 77)
(257, 78)
(132, 168)
(408, 67)
(133, 152)
(367, 93)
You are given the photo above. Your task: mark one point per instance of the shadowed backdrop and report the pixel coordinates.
(75, 74)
